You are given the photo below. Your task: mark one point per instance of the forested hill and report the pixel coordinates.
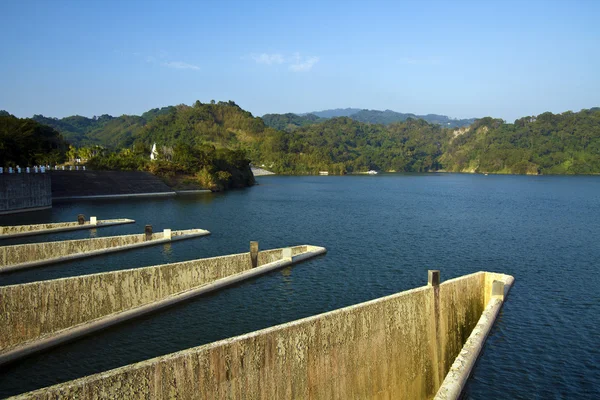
(25, 142)
(567, 143)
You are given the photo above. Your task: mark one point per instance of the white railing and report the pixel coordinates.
(36, 169)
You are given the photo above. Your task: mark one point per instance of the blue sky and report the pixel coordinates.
(462, 59)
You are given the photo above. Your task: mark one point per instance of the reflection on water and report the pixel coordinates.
(167, 250)
(382, 234)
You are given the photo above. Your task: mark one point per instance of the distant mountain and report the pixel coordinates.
(338, 112)
(388, 116)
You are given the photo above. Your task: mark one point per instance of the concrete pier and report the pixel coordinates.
(13, 258)
(7, 232)
(39, 315)
(395, 347)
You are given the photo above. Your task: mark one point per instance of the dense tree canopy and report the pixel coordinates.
(25, 142)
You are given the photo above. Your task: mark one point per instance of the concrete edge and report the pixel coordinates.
(86, 328)
(115, 196)
(196, 191)
(101, 224)
(461, 369)
(20, 210)
(38, 263)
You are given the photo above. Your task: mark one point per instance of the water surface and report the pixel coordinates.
(382, 234)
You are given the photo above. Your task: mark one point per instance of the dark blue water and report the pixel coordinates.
(382, 234)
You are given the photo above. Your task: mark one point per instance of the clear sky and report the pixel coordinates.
(462, 59)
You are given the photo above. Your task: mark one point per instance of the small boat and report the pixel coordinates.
(372, 172)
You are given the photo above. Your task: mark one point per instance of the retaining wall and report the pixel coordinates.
(90, 184)
(24, 192)
(33, 310)
(392, 347)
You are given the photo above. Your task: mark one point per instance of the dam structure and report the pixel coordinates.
(39, 315)
(20, 192)
(94, 185)
(9, 232)
(22, 256)
(416, 344)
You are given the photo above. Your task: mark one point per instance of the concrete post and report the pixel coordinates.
(433, 277)
(93, 221)
(254, 254)
(148, 232)
(287, 254)
(81, 219)
(498, 290)
(167, 234)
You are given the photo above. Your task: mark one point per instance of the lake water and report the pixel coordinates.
(382, 234)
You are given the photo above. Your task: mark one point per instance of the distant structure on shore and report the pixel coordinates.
(153, 153)
(256, 171)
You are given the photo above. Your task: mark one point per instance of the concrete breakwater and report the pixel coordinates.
(400, 346)
(7, 232)
(38, 315)
(30, 255)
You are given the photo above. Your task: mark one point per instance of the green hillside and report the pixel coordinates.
(567, 143)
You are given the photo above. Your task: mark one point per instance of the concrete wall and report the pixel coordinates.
(392, 347)
(23, 192)
(31, 252)
(33, 310)
(77, 184)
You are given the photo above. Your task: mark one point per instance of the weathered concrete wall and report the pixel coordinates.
(24, 192)
(34, 254)
(38, 229)
(385, 348)
(81, 184)
(31, 311)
